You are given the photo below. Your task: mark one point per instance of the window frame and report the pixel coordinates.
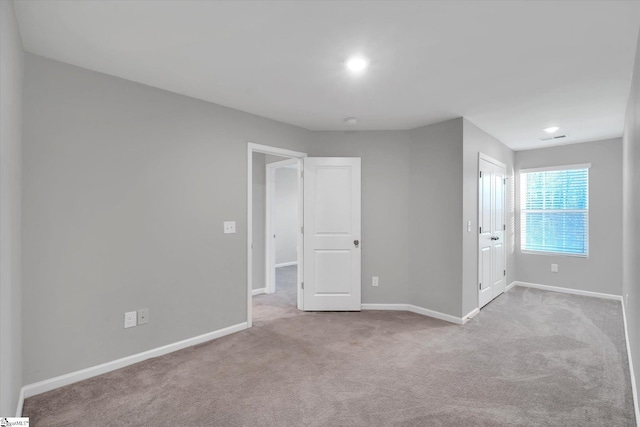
(523, 192)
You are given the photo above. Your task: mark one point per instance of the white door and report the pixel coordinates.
(331, 274)
(491, 221)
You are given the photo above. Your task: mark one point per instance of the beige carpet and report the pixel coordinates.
(530, 358)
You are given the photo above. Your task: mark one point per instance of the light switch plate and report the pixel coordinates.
(554, 268)
(374, 281)
(130, 319)
(229, 227)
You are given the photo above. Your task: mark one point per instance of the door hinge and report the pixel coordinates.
(302, 230)
(480, 174)
(480, 230)
(504, 272)
(481, 286)
(504, 227)
(302, 285)
(505, 181)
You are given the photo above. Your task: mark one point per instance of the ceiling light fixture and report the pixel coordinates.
(551, 129)
(351, 121)
(356, 64)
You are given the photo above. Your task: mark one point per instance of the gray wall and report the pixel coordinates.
(258, 195)
(435, 216)
(477, 141)
(125, 189)
(11, 75)
(631, 215)
(285, 215)
(412, 204)
(602, 270)
(385, 206)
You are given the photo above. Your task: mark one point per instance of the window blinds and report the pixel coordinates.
(554, 210)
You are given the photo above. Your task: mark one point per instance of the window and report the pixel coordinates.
(554, 210)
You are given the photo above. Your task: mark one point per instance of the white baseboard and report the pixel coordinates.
(436, 314)
(415, 309)
(20, 403)
(286, 264)
(634, 386)
(389, 307)
(259, 291)
(509, 286)
(53, 383)
(567, 290)
(470, 315)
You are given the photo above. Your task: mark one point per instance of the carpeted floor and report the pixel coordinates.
(530, 358)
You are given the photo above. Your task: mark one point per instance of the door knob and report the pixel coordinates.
(356, 242)
(495, 238)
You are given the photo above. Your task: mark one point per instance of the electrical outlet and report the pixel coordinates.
(143, 316)
(229, 227)
(130, 319)
(374, 281)
(554, 268)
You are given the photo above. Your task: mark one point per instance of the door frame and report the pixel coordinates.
(482, 156)
(270, 253)
(266, 149)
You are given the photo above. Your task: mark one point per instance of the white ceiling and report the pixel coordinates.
(512, 68)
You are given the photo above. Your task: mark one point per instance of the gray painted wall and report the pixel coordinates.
(435, 216)
(285, 215)
(602, 270)
(477, 141)
(631, 215)
(385, 206)
(412, 200)
(125, 189)
(258, 194)
(11, 75)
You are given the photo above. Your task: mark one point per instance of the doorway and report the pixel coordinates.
(328, 228)
(282, 210)
(259, 279)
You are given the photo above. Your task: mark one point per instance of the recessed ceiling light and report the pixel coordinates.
(551, 129)
(356, 64)
(351, 121)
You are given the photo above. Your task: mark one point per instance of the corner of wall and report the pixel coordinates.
(436, 166)
(475, 141)
(11, 76)
(630, 228)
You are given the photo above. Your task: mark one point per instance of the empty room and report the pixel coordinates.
(319, 213)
